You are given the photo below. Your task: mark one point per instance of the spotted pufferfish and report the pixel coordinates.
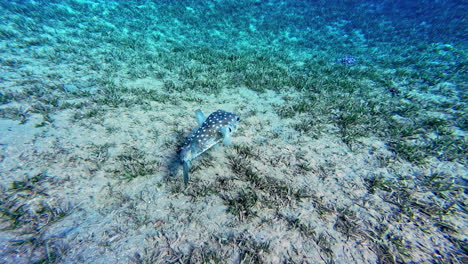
(219, 126)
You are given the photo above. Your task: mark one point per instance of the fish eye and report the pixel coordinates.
(238, 118)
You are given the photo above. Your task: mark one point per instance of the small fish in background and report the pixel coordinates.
(347, 60)
(216, 128)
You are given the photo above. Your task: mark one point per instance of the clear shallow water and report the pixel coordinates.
(351, 147)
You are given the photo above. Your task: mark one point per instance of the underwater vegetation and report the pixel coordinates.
(352, 145)
(29, 211)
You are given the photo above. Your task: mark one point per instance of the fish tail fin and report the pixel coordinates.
(186, 165)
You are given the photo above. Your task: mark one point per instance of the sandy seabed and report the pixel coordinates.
(312, 202)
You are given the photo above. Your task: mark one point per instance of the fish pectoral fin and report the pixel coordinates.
(224, 131)
(227, 141)
(187, 166)
(226, 138)
(200, 117)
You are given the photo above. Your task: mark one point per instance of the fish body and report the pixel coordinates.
(219, 126)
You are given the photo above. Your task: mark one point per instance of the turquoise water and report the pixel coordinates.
(351, 145)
